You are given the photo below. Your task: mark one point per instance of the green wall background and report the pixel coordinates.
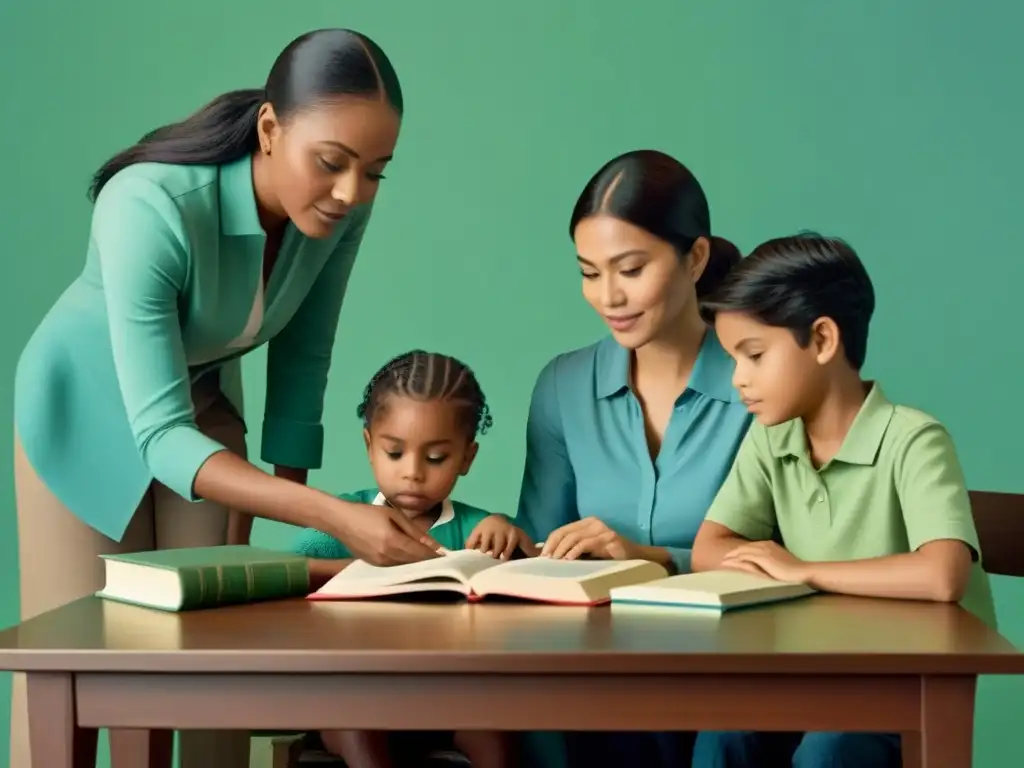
(892, 124)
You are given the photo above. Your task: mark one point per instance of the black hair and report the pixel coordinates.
(657, 193)
(790, 282)
(316, 67)
(428, 376)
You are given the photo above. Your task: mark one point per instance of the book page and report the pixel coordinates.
(458, 566)
(549, 568)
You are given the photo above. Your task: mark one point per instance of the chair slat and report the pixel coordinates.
(999, 519)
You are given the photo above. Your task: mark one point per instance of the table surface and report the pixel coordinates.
(823, 634)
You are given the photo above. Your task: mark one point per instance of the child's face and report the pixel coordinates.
(776, 377)
(418, 450)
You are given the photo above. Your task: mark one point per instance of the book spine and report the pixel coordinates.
(212, 586)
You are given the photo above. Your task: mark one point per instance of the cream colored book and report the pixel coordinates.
(715, 590)
(477, 575)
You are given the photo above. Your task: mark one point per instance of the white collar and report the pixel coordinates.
(446, 516)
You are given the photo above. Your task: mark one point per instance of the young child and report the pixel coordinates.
(866, 497)
(421, 414)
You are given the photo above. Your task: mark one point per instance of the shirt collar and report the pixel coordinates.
(862, 442)
(238, 213)
(711, 376)
(447, 509)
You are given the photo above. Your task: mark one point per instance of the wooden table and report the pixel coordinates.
(822, 663)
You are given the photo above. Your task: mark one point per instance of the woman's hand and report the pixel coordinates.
(379, 535)
(497, 536)
(590, 536)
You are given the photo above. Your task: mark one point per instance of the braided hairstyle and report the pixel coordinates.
(428, 376)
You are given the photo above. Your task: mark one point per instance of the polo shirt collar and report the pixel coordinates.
(238, 212)
(447, 509)
(711, 376)
(862, 442)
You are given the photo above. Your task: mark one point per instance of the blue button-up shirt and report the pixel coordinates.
(587, 453)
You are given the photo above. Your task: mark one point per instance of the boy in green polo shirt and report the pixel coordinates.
(421, 414)
(834, 486)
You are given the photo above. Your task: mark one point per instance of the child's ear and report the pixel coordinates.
(467, 462)
(825, 339)
(366, 439)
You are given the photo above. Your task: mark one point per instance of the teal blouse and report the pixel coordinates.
(587, 454)
(174, 261)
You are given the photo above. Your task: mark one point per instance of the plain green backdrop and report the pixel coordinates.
(891, 124)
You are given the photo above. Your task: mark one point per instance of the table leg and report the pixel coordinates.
(947, 721)
(54, 738)
(141, 748)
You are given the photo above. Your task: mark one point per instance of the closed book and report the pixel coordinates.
(204, 577)
(721, 590)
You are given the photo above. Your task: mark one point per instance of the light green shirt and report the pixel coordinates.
(895, 484)
(171, 277)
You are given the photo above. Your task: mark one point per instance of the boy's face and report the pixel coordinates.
(777, 379)
(418, 450)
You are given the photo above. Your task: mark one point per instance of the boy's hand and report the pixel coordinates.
(498, 537)
(766, 558)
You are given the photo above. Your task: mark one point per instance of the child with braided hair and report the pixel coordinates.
(421, 415)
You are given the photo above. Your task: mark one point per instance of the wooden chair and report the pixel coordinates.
(999, 519)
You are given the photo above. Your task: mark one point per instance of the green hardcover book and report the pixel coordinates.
(204, 577)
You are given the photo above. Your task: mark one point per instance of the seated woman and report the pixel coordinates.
(629, 439)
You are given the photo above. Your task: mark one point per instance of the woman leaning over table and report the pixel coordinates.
(210, 237)
(629, 439)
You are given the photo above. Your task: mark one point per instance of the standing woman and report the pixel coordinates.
(629, 439)
(237, 227)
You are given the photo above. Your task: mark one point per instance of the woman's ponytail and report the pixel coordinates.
(722, 258)
(222, 131)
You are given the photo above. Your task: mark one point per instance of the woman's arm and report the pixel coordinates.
(140, 239)
(547, 498)
(142, 246)
(141, 243)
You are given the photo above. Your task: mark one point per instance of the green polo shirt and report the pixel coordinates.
(895, 484)
(450, 530)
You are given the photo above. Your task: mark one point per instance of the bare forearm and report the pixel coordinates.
(912, 576)
(232, 481)
(711, 546)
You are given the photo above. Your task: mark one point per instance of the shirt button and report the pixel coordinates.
(821, 497)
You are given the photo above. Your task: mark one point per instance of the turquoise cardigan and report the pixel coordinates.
(102, 389)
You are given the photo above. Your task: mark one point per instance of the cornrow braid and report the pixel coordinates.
(428, 376)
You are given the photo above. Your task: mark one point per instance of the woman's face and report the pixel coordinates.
(324, 161)
(635, 281)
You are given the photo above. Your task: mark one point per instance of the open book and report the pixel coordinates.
(476, 575)
(717, 590)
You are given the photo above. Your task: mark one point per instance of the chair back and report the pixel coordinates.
(999, 519)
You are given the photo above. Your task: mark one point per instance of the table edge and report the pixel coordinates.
(504, 663)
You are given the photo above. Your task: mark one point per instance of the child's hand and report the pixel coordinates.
(498, 537)
(768, 559)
